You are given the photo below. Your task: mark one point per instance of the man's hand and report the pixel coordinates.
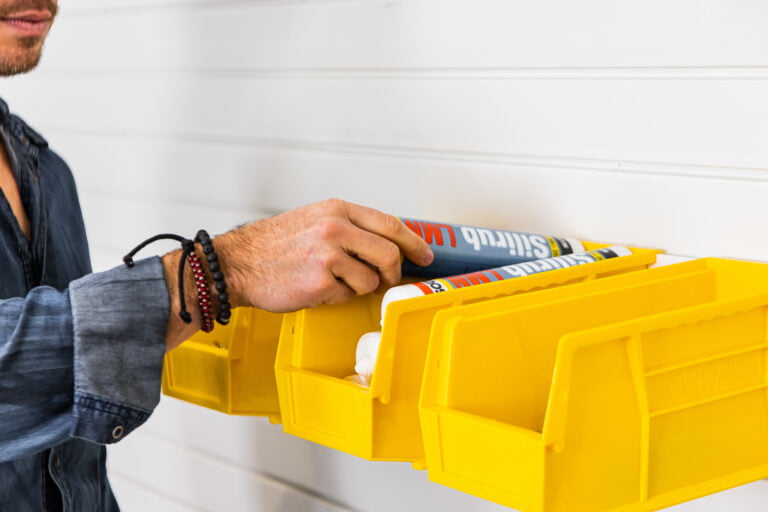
(324, 253)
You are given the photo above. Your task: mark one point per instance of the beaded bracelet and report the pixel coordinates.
(203, 298)
(201, 283)
(225, 312)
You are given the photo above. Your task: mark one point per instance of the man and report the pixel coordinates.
(81, 353)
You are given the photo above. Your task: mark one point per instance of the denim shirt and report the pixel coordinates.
(80, 353)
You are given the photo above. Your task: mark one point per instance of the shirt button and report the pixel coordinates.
(56, 461)
(117, 432)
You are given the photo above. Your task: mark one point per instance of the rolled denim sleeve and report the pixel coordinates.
(120, 319)
(83, 362)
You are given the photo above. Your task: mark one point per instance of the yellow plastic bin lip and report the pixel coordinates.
(381, 382)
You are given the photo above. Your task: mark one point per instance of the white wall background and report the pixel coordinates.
(633, 122)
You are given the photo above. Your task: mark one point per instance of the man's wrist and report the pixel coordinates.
(178, 330)
(226, 248)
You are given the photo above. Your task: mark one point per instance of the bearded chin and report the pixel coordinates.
(25, 57)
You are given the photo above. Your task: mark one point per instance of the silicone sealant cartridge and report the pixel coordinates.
(367, 348)
(459, 249)
(408, 291)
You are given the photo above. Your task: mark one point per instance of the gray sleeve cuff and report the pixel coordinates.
(120, 322)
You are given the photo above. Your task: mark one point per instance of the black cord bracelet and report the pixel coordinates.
(225, 308)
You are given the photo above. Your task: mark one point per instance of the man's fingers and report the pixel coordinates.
(356, 275)
(391, 228)
(378, 252)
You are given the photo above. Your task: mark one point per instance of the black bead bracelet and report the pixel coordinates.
(225, 309)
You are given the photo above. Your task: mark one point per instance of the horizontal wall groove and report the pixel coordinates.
(157, 491)
(560, 162)
(237, 211)
(223, 463)
(97, 10)
(757, 72)
(271, 481)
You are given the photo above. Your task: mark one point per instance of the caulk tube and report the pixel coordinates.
(367, 348)
(408, 291)
(459, 249)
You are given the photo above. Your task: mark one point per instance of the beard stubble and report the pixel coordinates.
(24, 55)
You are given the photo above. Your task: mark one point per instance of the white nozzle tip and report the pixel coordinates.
(366, 352)
(364, 366)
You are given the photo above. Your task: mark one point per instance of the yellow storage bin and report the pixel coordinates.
(628, 394)
(317, 350)
(230, 369)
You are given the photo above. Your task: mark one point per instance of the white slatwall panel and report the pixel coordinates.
(641, 124)
(180, 436)
(664, 122)
(133, 496)
(413, 34)
(221, 486)
(700, 212)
